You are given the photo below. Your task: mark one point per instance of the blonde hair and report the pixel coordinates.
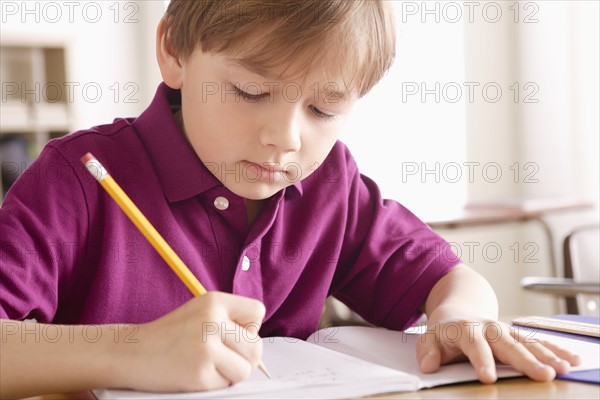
(358, 35)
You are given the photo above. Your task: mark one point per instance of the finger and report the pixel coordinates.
(510, 351)
(245, 343)
(429, 355)
(477, 349)
(243, 310)
(231, 365)
(545, 355)
(570, 357)
(547, 352)
(210, 379)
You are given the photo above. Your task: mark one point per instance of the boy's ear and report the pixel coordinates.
(168, 62)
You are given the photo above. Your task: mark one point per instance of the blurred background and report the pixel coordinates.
(489, 106)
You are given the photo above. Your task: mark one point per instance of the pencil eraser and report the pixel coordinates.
(87, 157)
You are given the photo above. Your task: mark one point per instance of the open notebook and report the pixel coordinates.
(343, 362)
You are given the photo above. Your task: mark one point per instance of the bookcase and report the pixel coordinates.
(35, 105)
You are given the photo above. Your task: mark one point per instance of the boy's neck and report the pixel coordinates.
(253, 208)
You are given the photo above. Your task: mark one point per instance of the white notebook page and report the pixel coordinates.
(397, 350)
(299, 370)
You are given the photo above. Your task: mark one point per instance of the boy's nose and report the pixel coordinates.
(283, 130)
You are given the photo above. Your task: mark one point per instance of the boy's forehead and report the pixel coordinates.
(275, 58)
(255, 68)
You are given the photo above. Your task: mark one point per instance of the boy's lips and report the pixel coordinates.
(269, 165)
(266, 171)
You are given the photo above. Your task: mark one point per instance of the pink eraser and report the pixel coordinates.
(87, 157)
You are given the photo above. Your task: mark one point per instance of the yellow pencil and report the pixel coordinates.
(146, 228)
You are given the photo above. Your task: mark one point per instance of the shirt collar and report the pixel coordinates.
(180, 171)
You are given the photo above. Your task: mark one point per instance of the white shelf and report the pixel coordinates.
(27, 66)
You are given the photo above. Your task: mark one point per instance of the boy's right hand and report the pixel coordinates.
(208, 343)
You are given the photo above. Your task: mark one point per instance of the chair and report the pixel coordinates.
(581, 284)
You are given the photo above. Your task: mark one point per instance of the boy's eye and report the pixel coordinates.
(253, 98)
(321, 114)
(249, 97)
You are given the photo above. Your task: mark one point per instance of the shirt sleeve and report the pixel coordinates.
(43, 221)
(390, 259)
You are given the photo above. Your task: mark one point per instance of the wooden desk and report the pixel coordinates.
(520, 388)
(514, 388)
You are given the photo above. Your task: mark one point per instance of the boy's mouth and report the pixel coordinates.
(266, 171)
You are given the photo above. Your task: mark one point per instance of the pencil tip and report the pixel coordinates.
(262, 367)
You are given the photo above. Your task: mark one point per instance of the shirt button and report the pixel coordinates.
(221, 203)
(245, 263)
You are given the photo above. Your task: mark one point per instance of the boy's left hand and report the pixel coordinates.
(482, 341)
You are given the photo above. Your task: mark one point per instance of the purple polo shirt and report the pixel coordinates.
(70, 255)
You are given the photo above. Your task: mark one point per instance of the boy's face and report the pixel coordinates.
(257, 134)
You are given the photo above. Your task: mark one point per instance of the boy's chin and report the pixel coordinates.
(257, 190)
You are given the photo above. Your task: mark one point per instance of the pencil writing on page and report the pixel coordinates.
(145, 227)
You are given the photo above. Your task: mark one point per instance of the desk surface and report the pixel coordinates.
(521, 388)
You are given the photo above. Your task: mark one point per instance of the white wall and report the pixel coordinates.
(553, 134)
(408, 134)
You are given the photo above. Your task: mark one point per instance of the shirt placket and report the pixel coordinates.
(239, 251)
(247, 279)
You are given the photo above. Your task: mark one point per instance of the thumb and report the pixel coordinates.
(429, 355)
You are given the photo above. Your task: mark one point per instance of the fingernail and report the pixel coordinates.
(540, 366)
(427, 355)
(429, 366)
(488, 372)
(548, 374)
(561, 366)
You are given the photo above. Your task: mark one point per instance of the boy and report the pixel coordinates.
(237, 163)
